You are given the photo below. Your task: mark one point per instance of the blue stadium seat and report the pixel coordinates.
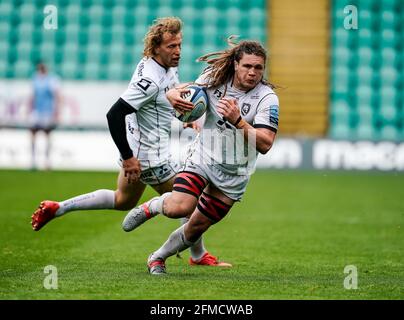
(3, 68)
(364, 94)
(366, 57)
(27, 12)
(342, 56)
(389, 132)
(365, 76)
(70, 58)
(118, 14)
(210, 15)
(23, 69)
(68, 70)
(365, 19)
(23, 51)
(91, 70)
(365, 131)
(95, 34)
(47, 51)
(388, 114)
(389, 38)
(388, 76)
(389, 58)
(72, 33)
(115, 71)
(389, 19)
(340, 111)
(72, 14)
(341, 37)
(5, 29)
(94, 52)
(118, 32)
(165, 11)
(341, 130)
(4, 49)
(388, 96)
(6, 9)
(96, 12)
(390, 5)
(365, 114)
(25, 32)
(367, 38)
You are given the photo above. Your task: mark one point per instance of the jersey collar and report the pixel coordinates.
(165, 69)
(238, 90)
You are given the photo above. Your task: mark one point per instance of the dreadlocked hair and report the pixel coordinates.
(154, 36)
(220, 67)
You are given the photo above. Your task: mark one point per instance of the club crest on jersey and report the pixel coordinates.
(245, 108)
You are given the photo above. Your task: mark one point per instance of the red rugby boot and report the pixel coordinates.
(45, 212)
(209, 260)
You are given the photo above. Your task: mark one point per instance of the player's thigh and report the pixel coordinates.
(164, 187)
(215, 192)
(127, 194)
(187, 188)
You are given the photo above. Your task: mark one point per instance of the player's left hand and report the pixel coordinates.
(131, 169)
(228, 108)
(174, 96)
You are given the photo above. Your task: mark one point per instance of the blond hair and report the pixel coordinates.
(220, 67)
(154, 36)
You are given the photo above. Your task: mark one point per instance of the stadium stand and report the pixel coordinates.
(367, 73)
(102, 40)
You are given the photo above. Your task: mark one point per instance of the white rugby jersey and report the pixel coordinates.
(148, 129)
(222, 144)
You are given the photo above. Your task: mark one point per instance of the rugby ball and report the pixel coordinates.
(198, 96)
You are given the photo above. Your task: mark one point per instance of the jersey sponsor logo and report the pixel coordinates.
(146, 174)
(222, 125)
(140, 70)
(255, 96)
(144, 84)
(274, 115)
(130, 128)
(245, 108)
(163, 173)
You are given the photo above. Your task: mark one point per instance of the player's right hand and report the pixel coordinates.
(174, 96)
(131, 169)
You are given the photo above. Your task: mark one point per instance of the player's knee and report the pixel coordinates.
(178, 209)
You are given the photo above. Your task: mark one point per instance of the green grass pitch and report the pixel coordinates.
(290, 238)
